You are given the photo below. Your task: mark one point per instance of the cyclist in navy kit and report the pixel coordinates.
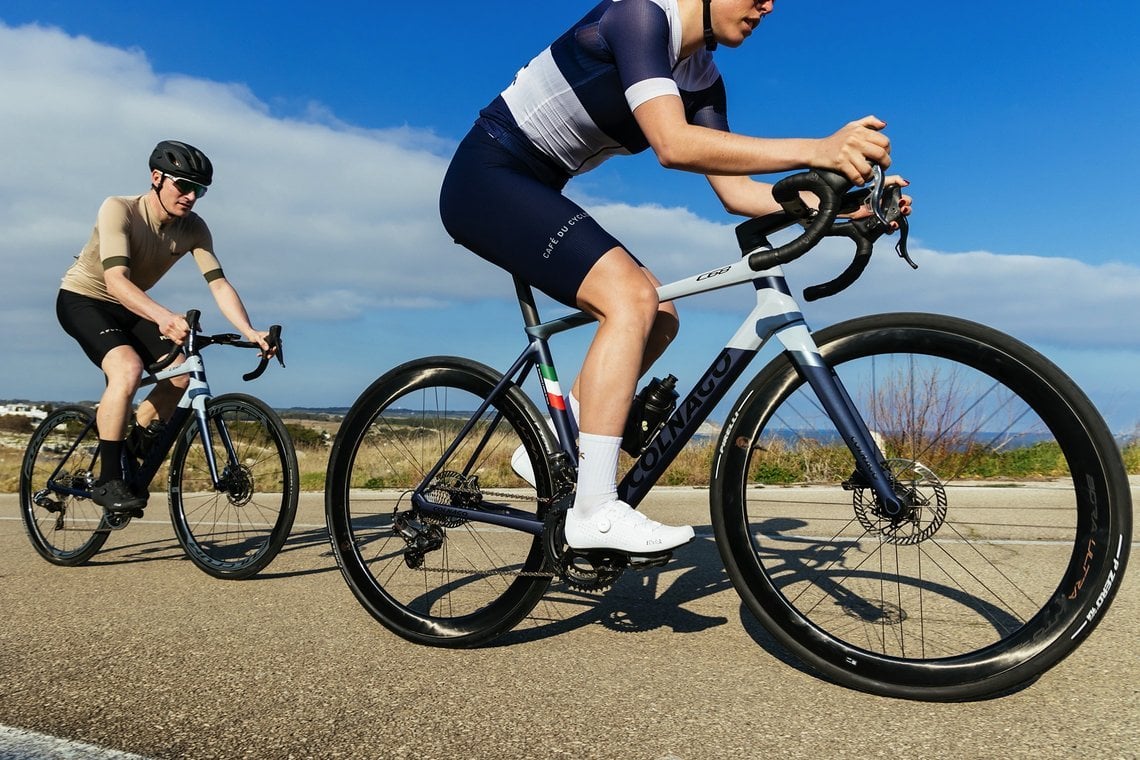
(631, 75)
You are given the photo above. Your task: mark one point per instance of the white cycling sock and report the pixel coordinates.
(597, 472)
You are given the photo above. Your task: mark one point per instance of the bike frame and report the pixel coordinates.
(776, 314)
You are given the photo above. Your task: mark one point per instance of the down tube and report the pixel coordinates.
(680, 427)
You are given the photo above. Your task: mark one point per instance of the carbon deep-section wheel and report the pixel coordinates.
(65, 526)
(437, 578)
(235, 530)
(1015, 535)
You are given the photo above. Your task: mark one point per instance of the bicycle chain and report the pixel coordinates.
(456, 486)
(598, 573)
(487, 573)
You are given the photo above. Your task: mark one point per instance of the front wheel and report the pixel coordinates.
(432, 578)
(56, 478)
(1017, 528)
(234, 530)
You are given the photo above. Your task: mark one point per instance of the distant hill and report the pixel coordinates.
(312, 413)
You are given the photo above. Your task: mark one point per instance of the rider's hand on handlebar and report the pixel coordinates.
(260, 338)
(855, 149)
(175, 328)
(893, 180)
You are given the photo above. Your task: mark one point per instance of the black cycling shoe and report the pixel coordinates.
(114, 496)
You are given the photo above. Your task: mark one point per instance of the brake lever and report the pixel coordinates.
(900, 247)
(877, 189)
(885, 205)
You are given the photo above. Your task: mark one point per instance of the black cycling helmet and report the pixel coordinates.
(182, 160)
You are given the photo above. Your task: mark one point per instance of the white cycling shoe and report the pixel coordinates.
(520, 463)
(619, 527)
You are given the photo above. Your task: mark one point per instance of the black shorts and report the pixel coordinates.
(508, 207)
(98, 326)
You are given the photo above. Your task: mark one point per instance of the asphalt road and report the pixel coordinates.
(139, 651)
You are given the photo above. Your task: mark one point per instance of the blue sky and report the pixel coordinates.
(331, 124)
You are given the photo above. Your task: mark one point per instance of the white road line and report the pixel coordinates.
(19, 744)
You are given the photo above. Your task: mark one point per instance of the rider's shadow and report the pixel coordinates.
(636, 603)
(640, 600)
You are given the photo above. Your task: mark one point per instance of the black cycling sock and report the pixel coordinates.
(111, 461)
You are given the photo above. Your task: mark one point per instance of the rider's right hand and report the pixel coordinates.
(855, 149)
(174, 327)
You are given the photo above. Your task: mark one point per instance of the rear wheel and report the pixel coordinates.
(431, 578)
(235, 530)
(1017, 531)
(65, 526)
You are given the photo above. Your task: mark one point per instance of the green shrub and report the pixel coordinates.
(306, 437)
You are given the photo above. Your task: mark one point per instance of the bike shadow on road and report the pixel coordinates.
(168, 549)
(640, 601)
(643, 601)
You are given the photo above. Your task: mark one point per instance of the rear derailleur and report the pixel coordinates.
(419, 538)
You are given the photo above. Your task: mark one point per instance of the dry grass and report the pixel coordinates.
(778, 463)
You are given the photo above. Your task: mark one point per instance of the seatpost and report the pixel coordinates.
(526, 302)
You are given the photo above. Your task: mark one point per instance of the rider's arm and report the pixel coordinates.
(681, 145)
(744, 196)
(230, 304)
(119, 285)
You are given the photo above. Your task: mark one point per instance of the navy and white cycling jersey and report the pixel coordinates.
(574, 102)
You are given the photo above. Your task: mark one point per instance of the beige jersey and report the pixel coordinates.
(127, 233)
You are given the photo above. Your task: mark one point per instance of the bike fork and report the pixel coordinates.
(777, 313)
(833, 397)
(198, 394)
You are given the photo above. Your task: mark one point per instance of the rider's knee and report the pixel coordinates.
(123, 370)
(640, 302)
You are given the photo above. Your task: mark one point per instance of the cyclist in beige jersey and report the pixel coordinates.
(103, 304)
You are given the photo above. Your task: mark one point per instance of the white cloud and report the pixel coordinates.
(318, 221)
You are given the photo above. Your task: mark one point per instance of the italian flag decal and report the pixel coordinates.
(551, 386)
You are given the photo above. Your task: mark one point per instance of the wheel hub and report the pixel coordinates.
(923, 497)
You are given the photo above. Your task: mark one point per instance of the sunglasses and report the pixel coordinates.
(186, 186)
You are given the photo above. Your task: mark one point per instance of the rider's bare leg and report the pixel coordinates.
(161, 401)
(623, 298)
(123, 367)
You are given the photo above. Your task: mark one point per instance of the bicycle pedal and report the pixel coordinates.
(617, 560)
(116, 520)
(646, 562)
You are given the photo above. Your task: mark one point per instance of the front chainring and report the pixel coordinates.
(580, 570)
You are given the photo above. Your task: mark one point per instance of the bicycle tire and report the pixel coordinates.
(473, 586)
(980, 590)
(64, 529)
(234, 532)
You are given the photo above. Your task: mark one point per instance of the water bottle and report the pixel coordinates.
(651, 407)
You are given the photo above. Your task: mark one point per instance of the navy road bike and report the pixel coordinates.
(889, 567)
(232, 476)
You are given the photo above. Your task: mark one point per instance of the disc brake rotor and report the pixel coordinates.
(923, 497)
